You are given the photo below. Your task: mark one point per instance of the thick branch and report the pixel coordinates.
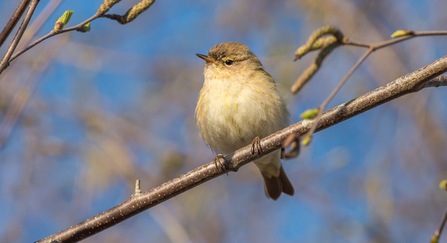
(139, 202)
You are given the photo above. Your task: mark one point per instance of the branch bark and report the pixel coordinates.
(138, 202)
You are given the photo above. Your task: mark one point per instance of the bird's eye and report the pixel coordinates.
(229, 62)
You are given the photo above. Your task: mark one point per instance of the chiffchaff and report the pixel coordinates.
(239, 102)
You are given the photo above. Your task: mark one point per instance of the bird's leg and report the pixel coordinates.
(256, 146)
(283, 152)
(217, 160)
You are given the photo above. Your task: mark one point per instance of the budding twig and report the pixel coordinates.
(82, 27)
(316, 41)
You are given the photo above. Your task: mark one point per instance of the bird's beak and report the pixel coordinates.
(206, 58)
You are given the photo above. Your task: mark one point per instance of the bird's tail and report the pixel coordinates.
(275, 182)
(274, 186)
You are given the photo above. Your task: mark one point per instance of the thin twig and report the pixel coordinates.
(371, 48)
(436, 82)
(437, 234)
(129, 16)
(13, 20)
(53, 33)
(335, 91)
(136, 204)
(383, 44)
(5, 61)
(35, 26)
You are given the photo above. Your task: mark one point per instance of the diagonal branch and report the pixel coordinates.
(139, 202)
(13, 20)
(335, 91)
(5, 61)
(437, 235)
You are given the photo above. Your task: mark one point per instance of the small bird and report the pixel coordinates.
(238, 104)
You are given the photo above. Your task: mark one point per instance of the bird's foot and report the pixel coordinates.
(218, 160)
(256, 146)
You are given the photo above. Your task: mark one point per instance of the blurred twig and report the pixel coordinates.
(437, 235)
(173, 229)
(13, 20)
(22, 97)
(138, 203)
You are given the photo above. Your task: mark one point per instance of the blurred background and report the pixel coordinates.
(82, 115)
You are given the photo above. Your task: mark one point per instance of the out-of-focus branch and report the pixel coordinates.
(13, 20)
(20, 99)
(437, 235)
(139, 202)
(5, 60)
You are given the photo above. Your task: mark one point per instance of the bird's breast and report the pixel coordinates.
(230, 114)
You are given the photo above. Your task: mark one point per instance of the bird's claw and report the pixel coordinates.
(256, 146)
(217, 160)
(293, 140)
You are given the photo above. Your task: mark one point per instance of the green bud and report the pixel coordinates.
(434, 239)
(443, 185)
(306, 141)
(85, 28)
(310, 114)
(401, 33)
(62, 21)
